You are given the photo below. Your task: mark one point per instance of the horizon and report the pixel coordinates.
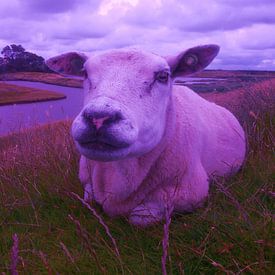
(241, 28)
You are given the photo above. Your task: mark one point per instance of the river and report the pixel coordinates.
(19, 116)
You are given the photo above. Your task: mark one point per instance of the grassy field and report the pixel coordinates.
(44, 228)
(11, 94)
(224, 81)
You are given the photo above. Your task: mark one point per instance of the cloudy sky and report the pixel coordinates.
(245, 29)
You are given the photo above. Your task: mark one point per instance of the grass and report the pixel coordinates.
(56, 233)
(248, 101)
(11, 94)
(225, 81)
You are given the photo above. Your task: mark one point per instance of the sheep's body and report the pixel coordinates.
(202, 139)
(147, 145)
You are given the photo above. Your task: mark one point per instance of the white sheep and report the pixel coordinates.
(145, 144)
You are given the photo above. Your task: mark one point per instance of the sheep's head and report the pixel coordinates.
(126, 97)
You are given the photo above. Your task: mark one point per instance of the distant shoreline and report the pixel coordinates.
(29, 101)
(11, 94)
(48, 78)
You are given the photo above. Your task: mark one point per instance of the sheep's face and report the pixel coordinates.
(125, 102)
(127, 95)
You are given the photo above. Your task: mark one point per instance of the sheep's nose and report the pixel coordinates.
(98, 119)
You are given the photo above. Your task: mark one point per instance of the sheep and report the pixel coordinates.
(145, 143)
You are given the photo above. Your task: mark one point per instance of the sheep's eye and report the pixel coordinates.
(162, 76)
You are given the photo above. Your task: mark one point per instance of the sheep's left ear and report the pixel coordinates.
(70, 63)
(192, 60)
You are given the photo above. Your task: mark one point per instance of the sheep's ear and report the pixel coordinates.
(192, 60)
(68, 64)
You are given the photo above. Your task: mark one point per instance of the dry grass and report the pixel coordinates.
(232, 234)
(248, 102)
(11, 94)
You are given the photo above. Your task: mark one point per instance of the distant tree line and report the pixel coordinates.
(17, 59)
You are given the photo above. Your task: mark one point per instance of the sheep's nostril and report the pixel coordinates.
(112, 119)
(96, 119)
(98, 122)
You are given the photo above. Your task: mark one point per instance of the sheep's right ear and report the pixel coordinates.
(192, 60)
(68, 64)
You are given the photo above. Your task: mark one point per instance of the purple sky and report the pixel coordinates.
(245, 29)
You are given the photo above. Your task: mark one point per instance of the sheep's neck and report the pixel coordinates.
(116, 184)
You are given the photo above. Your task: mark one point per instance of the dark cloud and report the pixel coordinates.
(50, 6)
(8, 9)
(261, 46)
(14, 30)
(57, 6)
(202, 16)
(247, 2)
(259, 37)
(240, 59)
(91, 26)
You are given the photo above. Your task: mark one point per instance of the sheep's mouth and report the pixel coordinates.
(104, 141)
(99, 146)
(102, 151)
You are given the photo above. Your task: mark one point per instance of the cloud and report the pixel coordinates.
(57, 6)
(247, 2)
(50, 6)
(244, 29)
(200, 16)
(90, 26)
(260, 37)
(9, 8)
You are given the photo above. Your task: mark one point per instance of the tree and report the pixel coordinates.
(12, 51)
(7, 52)
(17, 48)
(16, 59)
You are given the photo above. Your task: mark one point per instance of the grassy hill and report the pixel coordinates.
(45, 228)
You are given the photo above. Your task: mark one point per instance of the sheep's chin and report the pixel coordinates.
(103, 153)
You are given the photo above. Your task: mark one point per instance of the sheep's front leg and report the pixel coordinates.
(88, 193)
(147, 213)
(85, 176)
(183, 196)
(154, 208)
(193, 189)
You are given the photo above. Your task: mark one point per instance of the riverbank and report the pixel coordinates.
(14, 94)
(48, 78)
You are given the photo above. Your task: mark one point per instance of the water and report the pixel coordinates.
(18, 116)
(196, 80)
